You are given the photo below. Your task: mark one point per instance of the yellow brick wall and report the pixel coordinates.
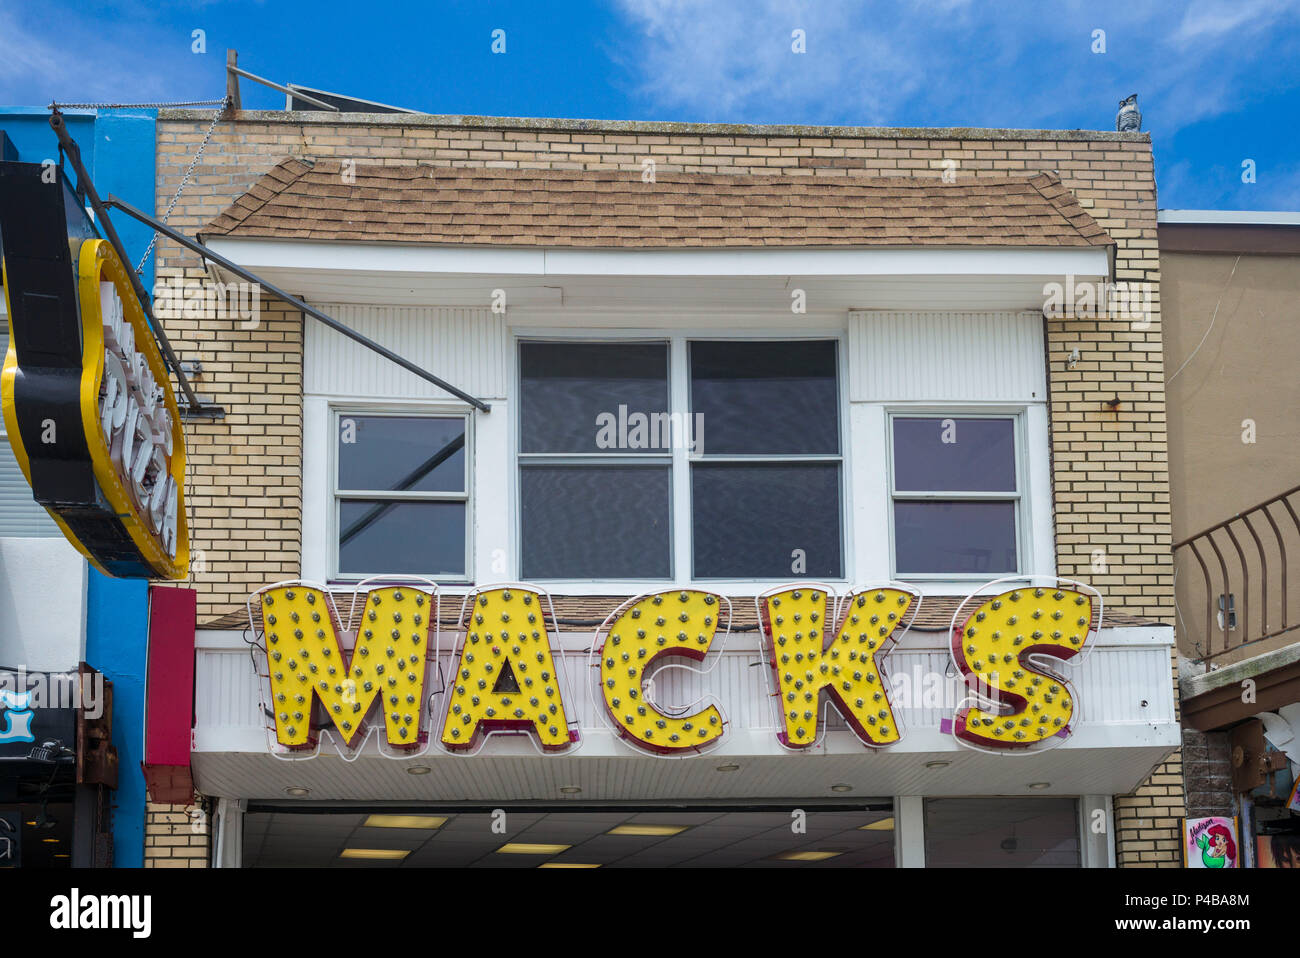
(244, 472)
(1110, 472)
(176, 836)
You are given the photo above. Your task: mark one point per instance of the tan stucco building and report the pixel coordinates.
(1231, 285)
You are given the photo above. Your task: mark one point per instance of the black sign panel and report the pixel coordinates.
(38, 716)
(85, 392)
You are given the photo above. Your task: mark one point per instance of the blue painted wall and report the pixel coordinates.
(117, 643)
(119, 148)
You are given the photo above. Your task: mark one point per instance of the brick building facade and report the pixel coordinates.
(1106, 403)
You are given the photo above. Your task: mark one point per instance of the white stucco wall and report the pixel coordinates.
(42, 604)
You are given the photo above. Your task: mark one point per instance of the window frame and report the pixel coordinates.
(681, 541)
(337, 412)
(606, 458)
(756, 458)
(1020, 498)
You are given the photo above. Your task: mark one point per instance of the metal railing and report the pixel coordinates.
(1236, 581)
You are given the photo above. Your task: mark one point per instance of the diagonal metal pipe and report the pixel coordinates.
(197, 247)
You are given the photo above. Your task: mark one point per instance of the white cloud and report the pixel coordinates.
(720, 60)
(953, 62)
(46, 54)
(1215, 20)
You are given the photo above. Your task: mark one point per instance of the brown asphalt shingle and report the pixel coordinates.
(440, 205)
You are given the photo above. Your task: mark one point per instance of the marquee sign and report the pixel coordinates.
(88, 404)
(846, 672)
(308, 664)
(640, 633)
(1009, 650)
(507, 674)
(501, 669)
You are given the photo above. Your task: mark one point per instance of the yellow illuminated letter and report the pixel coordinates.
(307, 659)
(652, 627)
(505, 677)
(992, 650)
(796, 622)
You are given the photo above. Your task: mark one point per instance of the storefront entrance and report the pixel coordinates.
(858, 836)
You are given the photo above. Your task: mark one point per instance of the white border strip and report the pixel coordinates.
(914, 261)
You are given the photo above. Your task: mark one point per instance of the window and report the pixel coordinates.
(753, 437)
(20, 514)
(765, 488)
(594, 485)
(401, 494)
(1002, 833)
(956, 495)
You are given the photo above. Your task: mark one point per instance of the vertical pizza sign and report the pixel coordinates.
(88, 404)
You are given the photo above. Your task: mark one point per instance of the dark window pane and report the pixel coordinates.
(747, 519)
(970, 455)
(401, 454)
(1001, 833)
(565, 387)
(957, 537)
(416, 538)
(766, 398)
(595, 522)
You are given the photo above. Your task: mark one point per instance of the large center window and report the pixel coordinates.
(639, 458)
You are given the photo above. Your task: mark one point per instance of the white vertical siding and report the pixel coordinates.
(977, 357)
(465, 347)
(1112, 684)
(228, 692)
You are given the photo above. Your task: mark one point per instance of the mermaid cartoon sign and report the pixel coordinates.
(1210, 842)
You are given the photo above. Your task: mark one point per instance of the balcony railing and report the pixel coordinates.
(1245, 583)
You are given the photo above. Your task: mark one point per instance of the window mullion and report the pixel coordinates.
(679, 393)
(441, 496)
(946, 496)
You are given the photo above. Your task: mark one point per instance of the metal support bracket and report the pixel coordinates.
(69, 148)
(295, 302)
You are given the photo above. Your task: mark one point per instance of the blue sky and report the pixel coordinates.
(1218, 81)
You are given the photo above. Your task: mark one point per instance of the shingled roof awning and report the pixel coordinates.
(437, 205)
(420, 235)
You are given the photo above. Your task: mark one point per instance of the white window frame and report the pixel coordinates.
(841, 413)
(681, 542)
(1021, 497)
(340, 410)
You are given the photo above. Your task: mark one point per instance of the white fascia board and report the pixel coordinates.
(256, 254)
(432, 260)
(1229, 217)
(838, 262)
